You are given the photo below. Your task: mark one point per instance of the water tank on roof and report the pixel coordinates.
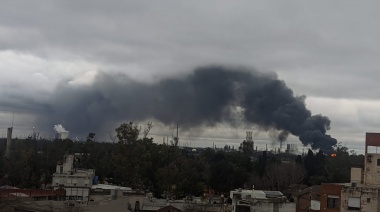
(95, 180)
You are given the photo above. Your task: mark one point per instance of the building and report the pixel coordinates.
(169, 208)
(76, 182)
(331, 197)
(246, 200)
(363, 191)
(30, 194)
(291, 149)
(14, 199)
(309, 199)
(62, 135)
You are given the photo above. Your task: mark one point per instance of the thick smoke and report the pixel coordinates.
(207, 96)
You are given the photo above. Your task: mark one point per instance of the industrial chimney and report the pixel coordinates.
(9, 140)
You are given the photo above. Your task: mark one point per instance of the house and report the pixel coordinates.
(331, 197)
(293, 191)
(309, 199)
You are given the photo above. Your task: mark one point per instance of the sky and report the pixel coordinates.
(54, 54)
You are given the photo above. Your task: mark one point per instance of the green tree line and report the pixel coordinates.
(168, 170)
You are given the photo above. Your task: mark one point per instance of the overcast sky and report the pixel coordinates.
(326, 50)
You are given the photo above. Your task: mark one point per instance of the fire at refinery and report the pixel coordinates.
(205, 97)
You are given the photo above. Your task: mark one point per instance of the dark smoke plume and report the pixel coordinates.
(207, 96)
(283, 136)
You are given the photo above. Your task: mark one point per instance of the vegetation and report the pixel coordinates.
(169, 171)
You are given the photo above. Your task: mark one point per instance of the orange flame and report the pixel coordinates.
(333, 155)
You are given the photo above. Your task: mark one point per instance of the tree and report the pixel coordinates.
(229, 171)
(127, 133)
(299, 159)
(278, 180)
(310, 163)
(320, 163)
(339, 167)
(260, 164)
(246, 147)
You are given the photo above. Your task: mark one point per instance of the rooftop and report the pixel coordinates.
(110, 187)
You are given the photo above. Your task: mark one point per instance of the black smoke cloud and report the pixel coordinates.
(207, 96)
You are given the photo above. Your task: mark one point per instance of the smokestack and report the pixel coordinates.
(9, 141)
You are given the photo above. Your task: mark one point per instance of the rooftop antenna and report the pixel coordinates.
(13, 118)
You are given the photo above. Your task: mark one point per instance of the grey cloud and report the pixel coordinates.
(23, 104)
(322, 49)
(295, 39)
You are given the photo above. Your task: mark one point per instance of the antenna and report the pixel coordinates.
(13, 117)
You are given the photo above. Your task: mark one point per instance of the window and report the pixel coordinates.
(332, 201)
(354, 203)
(378, 162)
(368, 199)
(243, 208)
(237, 196)
(137, 206)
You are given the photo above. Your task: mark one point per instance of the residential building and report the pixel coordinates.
(331, 197)
(363, 191)
(75, 181)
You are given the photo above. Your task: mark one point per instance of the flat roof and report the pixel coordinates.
(110, 187)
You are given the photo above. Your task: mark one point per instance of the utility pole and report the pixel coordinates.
(176, 139)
